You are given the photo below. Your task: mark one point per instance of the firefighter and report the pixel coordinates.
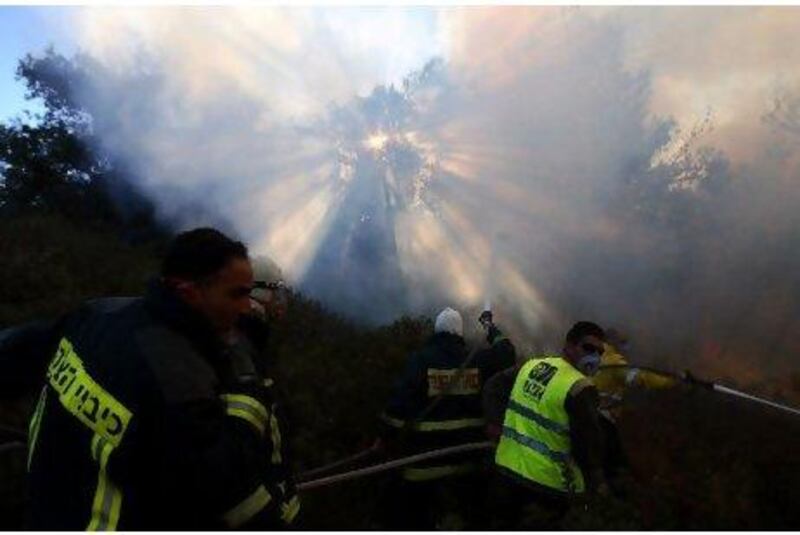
(154, 415)
(436, 404)
(613, 378)
(550, 444)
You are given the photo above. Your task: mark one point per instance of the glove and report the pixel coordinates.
(271, 300)
(493, 432)
(493, 334)
(688, 378)
(485, 319)
(602, 490)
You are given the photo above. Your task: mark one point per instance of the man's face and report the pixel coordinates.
(585, 355)
(225, 297)
(272, 302)
(591, 344)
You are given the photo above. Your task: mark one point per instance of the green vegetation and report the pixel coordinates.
(51, 264)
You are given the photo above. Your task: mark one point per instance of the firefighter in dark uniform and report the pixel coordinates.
(154, 414)
(436, 404)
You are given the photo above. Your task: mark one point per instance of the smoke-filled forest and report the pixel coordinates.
(639, 168)
(700, 461)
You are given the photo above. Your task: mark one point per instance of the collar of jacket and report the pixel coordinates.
(448, 342)
(163, 303)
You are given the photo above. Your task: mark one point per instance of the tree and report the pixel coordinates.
(53, 164)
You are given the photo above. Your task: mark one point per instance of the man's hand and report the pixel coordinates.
(270, 301)
(485, 319)
(257, 309)
(493, 432)
(690, 379)
(602, 490)
(597, 485)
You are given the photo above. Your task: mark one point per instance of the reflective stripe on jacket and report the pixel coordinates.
(535, 442)
(142, 424)
(457, 417)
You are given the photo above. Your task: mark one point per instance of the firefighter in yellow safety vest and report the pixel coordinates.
(550, 449)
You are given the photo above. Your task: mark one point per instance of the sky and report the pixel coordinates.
(403, 37)
(26, 30)
(634, 165)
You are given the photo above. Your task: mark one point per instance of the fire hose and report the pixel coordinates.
(13, 445)
(397, 463)
(336, 464)
(687, 378)
(19, 436)
(18, 439)
(709, 385)
(14, 432)
(336, 478)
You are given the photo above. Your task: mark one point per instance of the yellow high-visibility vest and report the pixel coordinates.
(535, 442)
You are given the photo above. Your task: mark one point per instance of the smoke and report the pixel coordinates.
(636, 166)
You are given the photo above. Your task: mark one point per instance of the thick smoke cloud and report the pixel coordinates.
(634, 166)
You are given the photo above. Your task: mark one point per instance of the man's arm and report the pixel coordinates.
(215, 449)
(585, 432)
(25, 351)
(407, 400)
(501, 353)
(496, 393)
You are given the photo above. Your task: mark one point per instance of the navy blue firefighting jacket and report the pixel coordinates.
(144, 423)
(457, 417)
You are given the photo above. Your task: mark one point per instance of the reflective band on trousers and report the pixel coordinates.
(275, 435)
(107, 498)
(36, 421)
(248, 409)
(290, 509)
(435, 472)
(535, 445)
(433, 425)
(247, 508)
(538, 418)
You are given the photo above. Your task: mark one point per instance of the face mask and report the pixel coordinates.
(589, 364)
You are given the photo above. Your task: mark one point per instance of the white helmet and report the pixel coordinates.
(449, 321)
